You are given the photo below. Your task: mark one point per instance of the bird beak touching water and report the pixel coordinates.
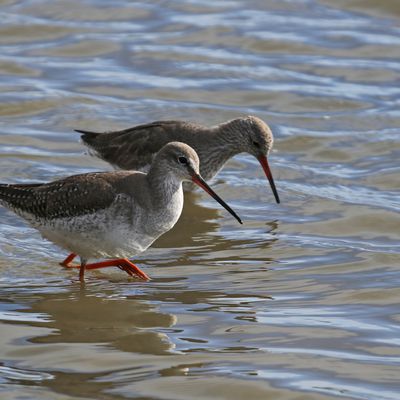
(198, 180)
(264, 163)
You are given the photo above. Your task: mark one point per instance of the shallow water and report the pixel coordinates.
(302, 301)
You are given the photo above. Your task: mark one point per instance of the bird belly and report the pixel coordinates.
(121, 231)
(112, 244)
(94, 235)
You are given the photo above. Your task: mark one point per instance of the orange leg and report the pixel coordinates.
(67, 261)
(122, 263)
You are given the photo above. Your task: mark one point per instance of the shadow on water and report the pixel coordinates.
(123, 324)
(87, 339)
(79, 335)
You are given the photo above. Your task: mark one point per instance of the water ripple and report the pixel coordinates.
(302, 300)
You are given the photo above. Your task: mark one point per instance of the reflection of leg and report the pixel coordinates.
(66, 262)
(82, 270)
(121, 263)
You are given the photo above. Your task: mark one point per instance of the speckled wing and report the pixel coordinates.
(69, 197)
(133, 148)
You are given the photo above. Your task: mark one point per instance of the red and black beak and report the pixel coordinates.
(264, 163)
(198, 180)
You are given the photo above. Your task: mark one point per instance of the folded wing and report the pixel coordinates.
(69, 197)
(133, 148)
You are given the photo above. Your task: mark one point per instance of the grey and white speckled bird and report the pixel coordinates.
(135, 148)
(110, 214)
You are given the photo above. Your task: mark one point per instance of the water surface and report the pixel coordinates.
(302, 301)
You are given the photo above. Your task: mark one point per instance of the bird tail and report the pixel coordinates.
(88, 137)
(18, 197)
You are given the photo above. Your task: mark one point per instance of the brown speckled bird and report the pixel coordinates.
(135, 148)
(112, 215)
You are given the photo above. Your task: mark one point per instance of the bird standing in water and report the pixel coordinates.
(136, 147)
(113, 215)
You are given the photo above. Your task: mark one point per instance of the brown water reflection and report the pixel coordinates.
(301, 302)
(86, 318)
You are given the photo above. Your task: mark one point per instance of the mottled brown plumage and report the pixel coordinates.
(69, 197)
(135, 148)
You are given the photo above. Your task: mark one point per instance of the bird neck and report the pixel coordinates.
(164, 185)
(228, 139)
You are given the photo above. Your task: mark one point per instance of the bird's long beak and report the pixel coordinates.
(264, 163)
(198, 180)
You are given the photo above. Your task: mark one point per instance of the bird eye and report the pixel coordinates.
(183, 160)
(256, 144)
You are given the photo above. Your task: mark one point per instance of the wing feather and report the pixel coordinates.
(69, 197)
(134, 148)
